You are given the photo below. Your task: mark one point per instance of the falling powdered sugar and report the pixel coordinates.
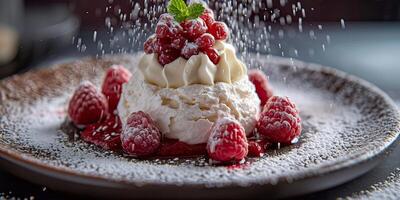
(387, 189)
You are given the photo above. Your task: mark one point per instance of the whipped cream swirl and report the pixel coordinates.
(188, 113)
(198, 69)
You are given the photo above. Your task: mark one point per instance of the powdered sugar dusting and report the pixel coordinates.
(344, 122)
(387, 189)
(214, 141)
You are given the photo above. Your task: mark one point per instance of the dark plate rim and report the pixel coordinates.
(348, 162)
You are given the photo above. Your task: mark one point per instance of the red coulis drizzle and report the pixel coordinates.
(97, 134)
(168, 147)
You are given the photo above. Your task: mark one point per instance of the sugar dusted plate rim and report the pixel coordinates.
(10, 154)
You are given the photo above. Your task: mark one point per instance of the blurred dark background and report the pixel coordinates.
(357, 36)
(92, 12)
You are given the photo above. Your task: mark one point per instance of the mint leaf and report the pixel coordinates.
(195, 10)
(181, 11)
(180, 18)
(178, 9)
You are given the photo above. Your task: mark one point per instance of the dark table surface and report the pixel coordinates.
(368, 50)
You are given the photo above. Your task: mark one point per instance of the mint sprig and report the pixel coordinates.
(181, 11)
(195, 10)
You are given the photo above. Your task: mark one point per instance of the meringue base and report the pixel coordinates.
(188, 113)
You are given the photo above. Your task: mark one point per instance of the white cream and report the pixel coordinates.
(187, 113)
(197, 69)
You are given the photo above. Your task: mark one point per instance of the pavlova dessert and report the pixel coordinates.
(190, 95)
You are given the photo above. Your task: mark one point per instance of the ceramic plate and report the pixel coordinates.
(348, 123)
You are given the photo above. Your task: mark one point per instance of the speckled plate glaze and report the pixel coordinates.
(349, 125)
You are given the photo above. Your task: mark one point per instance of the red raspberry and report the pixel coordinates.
(115, 77)
(227, 141)
(257, 148)
(141, 137)
(104, 134)
(208, 17)
(189, 50)
(212, 55)
(166, 18)
(87, 105)
(162, 45)
(179, 42)
(167, 57)
(205, 41)
(149, 44)
(194, 28)
(260, 81)
(163, 31)
(279, 121)
(219, 30)
(175, 148)
(168, 30)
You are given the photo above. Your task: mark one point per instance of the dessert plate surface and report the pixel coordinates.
(349, 127)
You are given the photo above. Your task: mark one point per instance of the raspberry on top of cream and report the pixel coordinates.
(189, 77)
(189, 47)
(198, 69)
(190, 95)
